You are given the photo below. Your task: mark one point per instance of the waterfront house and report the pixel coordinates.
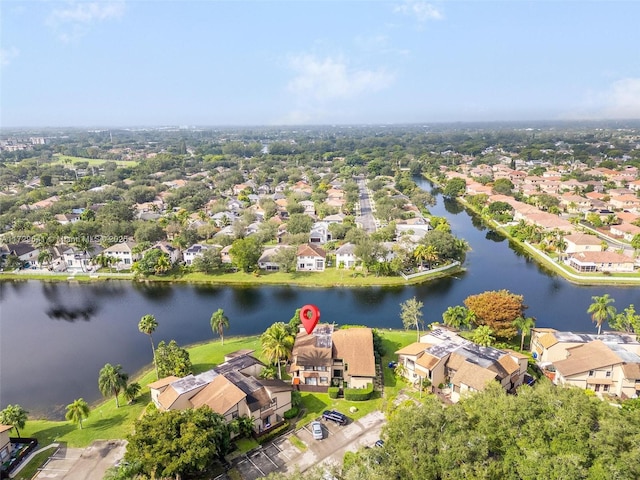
(329, 357)
(345, 256)
(123, 254)
(310, 258)
(587, 262)
(5, 443)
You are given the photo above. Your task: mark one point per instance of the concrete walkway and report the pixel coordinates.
(30, 456)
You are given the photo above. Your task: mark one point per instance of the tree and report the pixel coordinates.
(600, 310)
(44, 256)
(244, 425)
(627, 321)
(502, 186)
(219, 322)
(286, 258)
(299, 223)
(245, 253)
(457, 317)
(497, 309)
(172, 360)
(131, 391)
(77, 411)
(148, 325)
(524, 325)
(483, 335)
(163, 264)
(635, 241)
(294, 323)
(277, 344)
(411, 314)
(426, 253)
(455, 187)
(209, 261)
(112, 380)
(14, 415)
(179, 443)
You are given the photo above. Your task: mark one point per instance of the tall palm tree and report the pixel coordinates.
(277, 344)
(111, 380)
(524, 325)
(44, 256)
(219, 322)
(148, 325)
(77, 411)
(162, 265)
(600, 310)
(131, 391)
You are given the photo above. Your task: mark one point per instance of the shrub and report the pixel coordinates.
(276, 432)
(358, 394)
(291, 413)
(333, 392)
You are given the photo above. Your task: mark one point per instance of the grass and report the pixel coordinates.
(299, 444)
(31, 468)
(93, 162)
(245, 444)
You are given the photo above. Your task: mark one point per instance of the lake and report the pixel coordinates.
(55, 337)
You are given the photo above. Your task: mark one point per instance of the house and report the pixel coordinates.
(192, 252)
(26, 253)
(267, 261)
(73, 259)
(123, 253)
(231, 389)
(320, 233)
(549, 344)
(174, 254)
(66, 218)
(581, 242)
(446, 359)
(345, 256)
(309, 207)
(625, 230)
(586, 262)
(310, 258)
(336, 218)
(601, 367)
(5, 443)
(329, 357)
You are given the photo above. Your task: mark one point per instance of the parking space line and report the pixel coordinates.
(269, 458)
(256, 466)
(281, 451)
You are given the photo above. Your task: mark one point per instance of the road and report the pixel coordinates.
(366, 218)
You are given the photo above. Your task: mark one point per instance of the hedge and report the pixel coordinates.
(273, 433)
(333, 392)
(358, 394)
(291, 413)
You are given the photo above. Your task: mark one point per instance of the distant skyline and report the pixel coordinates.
(215, 62)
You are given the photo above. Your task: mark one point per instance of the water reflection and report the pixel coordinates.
(248, 298)
(494, 236)
(452, 206)
(156, 291)
(207, 290)
(61, 312)
(286, 294)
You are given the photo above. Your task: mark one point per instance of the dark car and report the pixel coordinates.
(334, 416)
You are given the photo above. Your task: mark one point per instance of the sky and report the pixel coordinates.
(303, 62)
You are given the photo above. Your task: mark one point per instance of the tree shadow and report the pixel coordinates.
(106, 423)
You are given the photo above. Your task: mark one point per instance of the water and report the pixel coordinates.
(55, 337)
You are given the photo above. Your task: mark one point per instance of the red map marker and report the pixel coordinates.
(309, 315)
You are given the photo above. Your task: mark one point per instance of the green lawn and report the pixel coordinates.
(93, 162)
(31, 468)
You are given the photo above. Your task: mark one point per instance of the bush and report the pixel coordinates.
(276, 432)
(291, 413)
(358, 394)
(333, 392)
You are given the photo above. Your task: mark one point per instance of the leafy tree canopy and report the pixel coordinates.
(497, 309)
(172, 360)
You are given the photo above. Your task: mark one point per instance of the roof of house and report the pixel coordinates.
(602, 257)
(583, 239)
(428, 361)
(163, 382)
(631, 371)
(346, 249)
(355, 347)
(473, 376)
(589, 356)
(120, 247)
(220, 395)
(413, 349)
(308, 250)
(314, 349)
(548, 340)
(4, 428)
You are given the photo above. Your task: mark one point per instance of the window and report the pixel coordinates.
(605, 388)
(607, 374)
(234, 415)
(591, 373)
(324, 380)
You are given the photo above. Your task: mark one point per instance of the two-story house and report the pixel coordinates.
(329, 357)
(123, 254)
(310, 258)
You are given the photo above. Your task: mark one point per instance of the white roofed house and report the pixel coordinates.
(192, 252)
(625, 230)
(345, 256)
(320, 233)
(582, 242)
(123, 254)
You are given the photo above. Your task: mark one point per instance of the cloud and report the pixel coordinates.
(7, 55)
(76, 18)
(332, 78)
(422, 11)
(622, 100)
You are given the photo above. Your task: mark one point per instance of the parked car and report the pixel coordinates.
(379, 443)
(316, 430)
(334, 416)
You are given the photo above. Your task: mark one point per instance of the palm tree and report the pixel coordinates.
(219, 322)
(162, 265)
(148, 325)
(44, 257)
(483, 335)
(111, 380)
(600, 310)
(456, 317)
(131, 391)
(14, 415)
(277, 344)
(524, 325)
(77, 411)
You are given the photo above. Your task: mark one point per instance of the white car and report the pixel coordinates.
(316, 430)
